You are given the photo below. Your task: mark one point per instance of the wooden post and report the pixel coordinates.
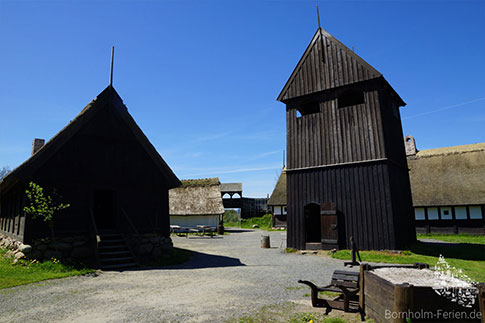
(363, 268)
(403, 301)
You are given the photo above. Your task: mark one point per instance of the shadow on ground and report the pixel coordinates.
(200, 260)
(237, 230)
(466, 251)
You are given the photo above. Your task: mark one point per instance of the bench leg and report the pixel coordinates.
(316, 302)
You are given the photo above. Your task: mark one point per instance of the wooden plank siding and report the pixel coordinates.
(12, 217)
(352, 155)
(365, 210)
(342, 67)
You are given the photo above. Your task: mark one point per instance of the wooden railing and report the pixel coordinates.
(135, 231)
(95, 236)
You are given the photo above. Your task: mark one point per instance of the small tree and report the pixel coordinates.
(42, 206)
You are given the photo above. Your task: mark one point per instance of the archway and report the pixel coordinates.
(313, 232)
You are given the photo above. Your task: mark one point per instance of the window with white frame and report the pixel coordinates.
(475, 212)
(419, 213)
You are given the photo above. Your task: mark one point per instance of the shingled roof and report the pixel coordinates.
(197, 197)
(278, 197)
(326, 64)
(448, 176)
(108, 96)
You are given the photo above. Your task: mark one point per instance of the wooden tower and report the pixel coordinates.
(347, 173)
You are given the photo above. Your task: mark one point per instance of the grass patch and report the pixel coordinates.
(291, 313)
(26, 272)
(290, 250)
(468, 257)
(264, 222)
(176, 256)
(458, 238)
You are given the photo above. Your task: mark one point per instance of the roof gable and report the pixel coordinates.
(108, 97)
(319, 70)
(278, 197)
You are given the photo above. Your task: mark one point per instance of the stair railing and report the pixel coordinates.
(133, 228)
(96, 239)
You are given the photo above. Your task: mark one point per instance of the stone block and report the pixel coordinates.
(81, 252)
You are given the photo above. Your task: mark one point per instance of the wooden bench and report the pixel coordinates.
(344, 282)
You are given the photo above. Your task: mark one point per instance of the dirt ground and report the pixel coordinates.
(229, 278)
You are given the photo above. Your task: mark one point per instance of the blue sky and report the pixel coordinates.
(201, 77)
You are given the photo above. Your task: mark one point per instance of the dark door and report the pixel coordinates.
(312, 222)
(329, 228)
(104, 208)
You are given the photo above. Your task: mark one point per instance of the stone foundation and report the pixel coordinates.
(149, 246)
(76, 249)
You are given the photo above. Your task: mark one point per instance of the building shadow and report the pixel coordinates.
(199, 260)
(465, 251)
(237, 230)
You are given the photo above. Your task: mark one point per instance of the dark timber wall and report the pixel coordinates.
(348, 154)
(101, 150)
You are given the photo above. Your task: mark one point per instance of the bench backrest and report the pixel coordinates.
(349, 279)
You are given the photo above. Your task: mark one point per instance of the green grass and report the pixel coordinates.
(291, 313)
(264, 222)
(468, 257)
(458, 238)
(176, 256)
(26, 272)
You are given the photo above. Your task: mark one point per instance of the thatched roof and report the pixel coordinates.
(109, 96)
(231, 187)
(278, 197)
(448, 176)
(196, 197)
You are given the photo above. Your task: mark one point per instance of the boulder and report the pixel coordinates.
(35, 254)
(25, 248)
(78, 243)
(145, 249)
(19, 255)
(61, 246)
(81, 252)
(156, 252)
(49, 254)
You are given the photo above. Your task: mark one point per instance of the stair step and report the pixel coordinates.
(112, 253)
(119, 266)
(116, 259)
(112, 240)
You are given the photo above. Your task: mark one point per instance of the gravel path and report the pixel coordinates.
(228, 276)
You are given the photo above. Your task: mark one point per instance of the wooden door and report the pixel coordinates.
(329, 225)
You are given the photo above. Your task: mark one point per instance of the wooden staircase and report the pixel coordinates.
(114, 253)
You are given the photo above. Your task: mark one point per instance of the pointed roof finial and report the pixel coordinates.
(111, 69)
(322, 41)
(318, 16)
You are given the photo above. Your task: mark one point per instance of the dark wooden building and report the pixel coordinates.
(103, 165)
(347, 174)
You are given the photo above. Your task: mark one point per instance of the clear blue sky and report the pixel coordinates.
(201, 77)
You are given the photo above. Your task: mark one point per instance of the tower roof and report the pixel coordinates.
(326, 64)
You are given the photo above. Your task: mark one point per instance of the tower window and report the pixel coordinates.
(308, 108)
(350, 97)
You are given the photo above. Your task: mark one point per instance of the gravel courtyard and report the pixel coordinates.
(227, 277)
